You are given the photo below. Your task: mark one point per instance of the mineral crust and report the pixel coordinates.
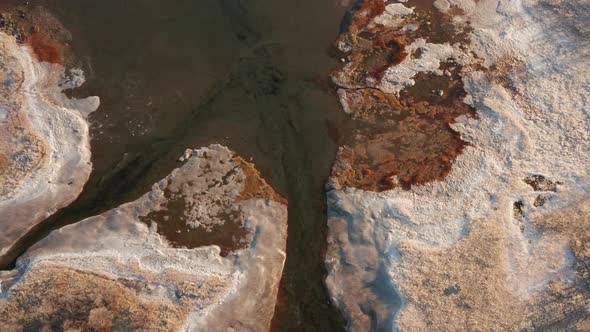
(461, 203)
(119, 271)
(44, 141)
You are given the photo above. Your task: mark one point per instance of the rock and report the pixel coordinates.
(442, 5)
(123, 269)
(540, 183)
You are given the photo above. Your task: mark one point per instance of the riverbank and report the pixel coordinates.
(119, 270)
(463, 203)
(45, 152)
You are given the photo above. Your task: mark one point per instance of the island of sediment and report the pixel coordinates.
(44, 140)
(135, 268)
(462, 200)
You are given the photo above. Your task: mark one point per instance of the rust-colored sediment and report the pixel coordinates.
(256, 187)
(399, 141)
(35, 27)
(45, 48)
(364, 12)
(388, 51)
(398, 145)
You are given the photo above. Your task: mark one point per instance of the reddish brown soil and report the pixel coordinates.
(45, 49)
(407, 141)
(256, 187)
(398, 145)
(34, 26)
(365, 11)
(391, 51)
(374, 48)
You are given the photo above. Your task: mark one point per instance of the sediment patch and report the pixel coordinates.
(207, 210)
(397, 145)
(404, 92)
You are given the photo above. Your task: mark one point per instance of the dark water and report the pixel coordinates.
(252, 75)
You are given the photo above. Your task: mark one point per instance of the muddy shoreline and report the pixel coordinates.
(262, 91)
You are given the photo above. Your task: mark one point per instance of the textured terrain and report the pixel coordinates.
(403, 134)
(44, 143)
(462, 201)
(119, 271)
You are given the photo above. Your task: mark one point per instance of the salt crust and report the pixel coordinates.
(38, 182)
(237, 290)
(533, 118)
